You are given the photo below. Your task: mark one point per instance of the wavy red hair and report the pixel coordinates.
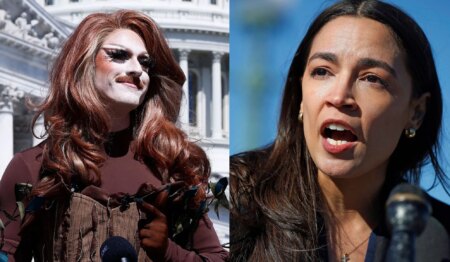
(76, 119)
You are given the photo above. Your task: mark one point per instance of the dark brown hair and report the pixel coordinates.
(275, 194)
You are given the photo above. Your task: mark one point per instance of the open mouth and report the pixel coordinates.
(337, 134)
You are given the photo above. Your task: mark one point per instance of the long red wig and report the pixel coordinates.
(76, 119)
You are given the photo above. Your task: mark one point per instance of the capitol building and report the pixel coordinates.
(31, 32)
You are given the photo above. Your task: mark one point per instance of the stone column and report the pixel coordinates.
(216, 95)
(184, 111)
(226, 108)
(201, 109)
(207, 89)
(38, 130)
(7, 97)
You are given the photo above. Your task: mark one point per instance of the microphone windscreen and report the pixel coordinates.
(407, 208)
(115, 248)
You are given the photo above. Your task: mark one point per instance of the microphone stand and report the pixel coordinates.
(407, 212)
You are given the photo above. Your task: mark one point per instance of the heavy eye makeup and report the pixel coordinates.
(146, 61)
(117, 55)
(121, 55)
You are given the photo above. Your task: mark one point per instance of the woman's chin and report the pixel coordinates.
(338, 170)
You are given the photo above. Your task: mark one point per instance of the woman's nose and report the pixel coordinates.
(341, 94)
(134, 68)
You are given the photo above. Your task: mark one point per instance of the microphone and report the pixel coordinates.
(407, 212)
(117, 249)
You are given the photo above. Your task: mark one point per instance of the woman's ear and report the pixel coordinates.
(417, 110)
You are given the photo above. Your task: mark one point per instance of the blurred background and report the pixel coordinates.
(265, 35)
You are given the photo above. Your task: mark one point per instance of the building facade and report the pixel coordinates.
(197, 32)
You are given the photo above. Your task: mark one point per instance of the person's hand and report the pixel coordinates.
(154, 232)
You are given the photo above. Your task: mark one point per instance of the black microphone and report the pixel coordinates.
(117, 249)
(407, 212)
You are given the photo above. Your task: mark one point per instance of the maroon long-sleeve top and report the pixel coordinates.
(121, 172)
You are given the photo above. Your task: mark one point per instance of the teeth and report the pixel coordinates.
(336, 142)
(336, 127)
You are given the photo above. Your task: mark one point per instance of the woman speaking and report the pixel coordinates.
(361, 113)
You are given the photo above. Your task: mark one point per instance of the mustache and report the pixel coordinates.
(132, 80)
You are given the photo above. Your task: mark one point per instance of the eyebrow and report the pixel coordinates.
(121, 47)
(363, 62)
(370, 62)
(330, 57)
(114, 46)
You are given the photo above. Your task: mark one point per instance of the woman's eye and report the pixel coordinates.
(146, 62)
(374, 79)
(319, 73)
(117, 54)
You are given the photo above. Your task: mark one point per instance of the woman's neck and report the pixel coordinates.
(118, 143)
(354, 210)
(352, 197)
(119, 122)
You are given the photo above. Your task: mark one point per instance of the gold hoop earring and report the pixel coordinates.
(410, 132)
(300, 116)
